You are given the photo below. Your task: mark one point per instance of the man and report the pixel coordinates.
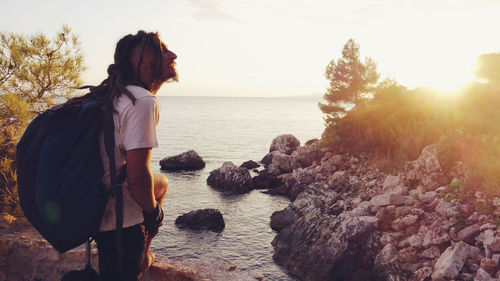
(142, 63)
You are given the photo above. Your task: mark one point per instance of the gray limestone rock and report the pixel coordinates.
(451, 261)
(323, 247)
(469, 233)
(231, 178)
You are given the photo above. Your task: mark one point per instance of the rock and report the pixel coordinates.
(317, 196)
(415, 241)
(421, 274)
(305, 156)
(431, 253)
(230, 177)
(381, 200)
(451, 261)
(469, 233)
(268, 179)
(189, 160)
(268, 158)
(426, 170)
(331, 163)
(304, 176)
(442, 208)
(283, 161)
(489, 265)
(488, 226)
(408, 255)
(402, 223)
(494, 244)
(250, 165)
(386, 263)
(391, 238)
(482, 275)
(311, 141)
(210, 219)
(282, 219)
(465, 277)
(390, 183)
(428, 197)
(262, 181)
(339, 181)
(324, 247)
(284, 144)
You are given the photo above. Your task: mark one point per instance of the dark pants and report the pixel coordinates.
(134, 239)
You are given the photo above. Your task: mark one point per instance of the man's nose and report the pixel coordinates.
(172, 55)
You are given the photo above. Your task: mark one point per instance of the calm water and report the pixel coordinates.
(226, 129)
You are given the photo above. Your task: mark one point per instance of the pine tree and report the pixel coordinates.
(350, 83)
(33, 71)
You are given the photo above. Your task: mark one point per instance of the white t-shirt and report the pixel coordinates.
(135, 127)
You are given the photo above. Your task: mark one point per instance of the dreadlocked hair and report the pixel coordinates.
(122, 73)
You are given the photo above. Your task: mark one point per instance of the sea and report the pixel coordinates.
(223, 129)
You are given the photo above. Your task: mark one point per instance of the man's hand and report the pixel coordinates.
(155, 218)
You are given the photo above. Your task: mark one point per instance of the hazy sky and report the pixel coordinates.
(276, 47)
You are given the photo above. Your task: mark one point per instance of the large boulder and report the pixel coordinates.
(210, 219)
(231, 178)
(285, 144)
(318, 246)
(451, 261)
(189, 160)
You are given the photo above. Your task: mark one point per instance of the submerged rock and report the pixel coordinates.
(231, 178)
(210, 219)
(189, 160)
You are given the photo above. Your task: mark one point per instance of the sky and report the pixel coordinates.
(272, 48)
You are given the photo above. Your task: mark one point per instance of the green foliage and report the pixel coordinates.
(34, 70)
(395, 124)
(351, 82)
(40, 69)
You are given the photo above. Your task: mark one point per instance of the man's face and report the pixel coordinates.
(147, 72)
(168, 71)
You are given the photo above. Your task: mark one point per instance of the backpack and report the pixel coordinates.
(59, 173)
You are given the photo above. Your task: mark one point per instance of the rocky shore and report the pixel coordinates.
(348, 220)
(26, 256)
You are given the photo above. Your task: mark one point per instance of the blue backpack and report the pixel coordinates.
(59, 173)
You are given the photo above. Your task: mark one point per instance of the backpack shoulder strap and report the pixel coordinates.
(109, 142)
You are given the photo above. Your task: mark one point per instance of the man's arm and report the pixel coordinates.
(140, 178)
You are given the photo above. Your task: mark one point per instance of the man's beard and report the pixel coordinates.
(172, 76)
